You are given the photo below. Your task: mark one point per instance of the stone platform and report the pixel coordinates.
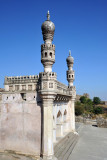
(92, 144)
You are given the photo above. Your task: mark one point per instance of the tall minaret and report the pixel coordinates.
(72, 90)
(48, 89)
(70, 72)
(48, 49)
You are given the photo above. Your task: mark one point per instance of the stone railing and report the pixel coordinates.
(21, 79)
(62, 89)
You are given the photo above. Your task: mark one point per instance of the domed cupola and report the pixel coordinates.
(70, 60)
(48, 29)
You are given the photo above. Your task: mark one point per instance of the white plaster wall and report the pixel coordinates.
(20, 124)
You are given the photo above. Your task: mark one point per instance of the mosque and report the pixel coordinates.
(36, 110)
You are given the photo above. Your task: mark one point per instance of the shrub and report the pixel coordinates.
(98, 110)
(79, 109)
(88, 107)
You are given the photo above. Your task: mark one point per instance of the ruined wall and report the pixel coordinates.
(20, 123)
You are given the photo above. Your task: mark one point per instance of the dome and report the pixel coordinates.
(70, 59)
(48, 28)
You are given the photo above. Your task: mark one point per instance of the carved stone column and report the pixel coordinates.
(47, 127)
(72, 118)
(54, 123)
(48, 94)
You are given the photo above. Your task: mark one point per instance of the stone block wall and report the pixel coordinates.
(20, 124)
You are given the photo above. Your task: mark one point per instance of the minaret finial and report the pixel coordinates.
(48, 15)
(69, 52)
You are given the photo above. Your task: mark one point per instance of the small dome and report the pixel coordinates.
(70, 59)
(48, 27)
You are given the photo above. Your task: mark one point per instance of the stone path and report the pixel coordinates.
(92, 144)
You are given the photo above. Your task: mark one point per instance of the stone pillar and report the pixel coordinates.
(13, 87)
(27, 87)
(54, 123)
(47, 128)
(72, 118)
(20, 87)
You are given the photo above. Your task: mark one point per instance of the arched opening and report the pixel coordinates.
(51, 54)
(59, 114)
(45, 54)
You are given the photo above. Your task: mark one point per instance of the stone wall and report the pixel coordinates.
(20, 124)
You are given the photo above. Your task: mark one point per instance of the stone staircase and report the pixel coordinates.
(64, 147)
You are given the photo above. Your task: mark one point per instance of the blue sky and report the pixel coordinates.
(81, 25)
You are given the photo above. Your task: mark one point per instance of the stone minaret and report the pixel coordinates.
(48, 49)
(72, 90)
(70, 72)
(47, 89)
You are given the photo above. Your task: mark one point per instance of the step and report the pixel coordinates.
(64, 150)
(65, 146)
(62, 142)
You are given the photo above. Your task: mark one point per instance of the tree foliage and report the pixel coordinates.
(79, 109)
(98, 110)
(83, 99)
(86, 105)
(96, 100)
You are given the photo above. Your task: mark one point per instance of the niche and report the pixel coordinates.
(23, 95)
(59, 114)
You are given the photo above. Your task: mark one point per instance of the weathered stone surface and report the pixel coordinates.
(20, 127)
(13, 156)
(92, 144)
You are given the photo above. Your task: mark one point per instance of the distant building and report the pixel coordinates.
(86, 95)
(105, 102)
(79, 96)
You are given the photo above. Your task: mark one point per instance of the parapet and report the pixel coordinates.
(21, 79)
(48, 75)
(47, 47)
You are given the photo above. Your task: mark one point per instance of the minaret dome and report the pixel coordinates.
(48, 29)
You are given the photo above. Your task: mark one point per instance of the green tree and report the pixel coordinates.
(98, 110)
(96, 100)
(83, 99)
(89, 101)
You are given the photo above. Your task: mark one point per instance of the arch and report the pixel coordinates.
(51, 54)
(65, 112)
(45, 54)
(59, 114)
